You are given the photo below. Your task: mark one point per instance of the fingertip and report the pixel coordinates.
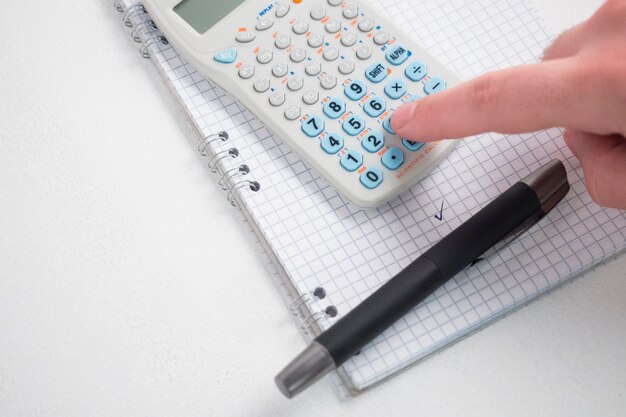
(402, 117)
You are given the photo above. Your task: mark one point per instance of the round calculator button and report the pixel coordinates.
(292, 113)
(283, 41)
(295, 83)
(265, 56)
(332, 143)
(262, 85)
(381, 38)
(316, 40)
(280, 70)
(351, 160)
(364, 52)
(335, 3)
(333, 26)
(356, 90)
(282, 9)
(334, 108)
(245, 37)
(351, 11)
(373, 141)
(246, 71)
(313, 68)
(328, 81)
(318, 13)
(331, 53)
(393, 158)
(298, 55)
(366, 24)
(311, 97)
(396, 88)
(348, 39)
(371, 178)
(264, 23)
(346, 67)
(300, 27)
(277, 98)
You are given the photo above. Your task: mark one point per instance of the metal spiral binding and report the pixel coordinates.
(207, 141)
(132, 10)
(253, 185)
(118, 6)
(229, 153)
(145, 46)
(328, 312)
(319, 293)
(229, 174)
(138, 29)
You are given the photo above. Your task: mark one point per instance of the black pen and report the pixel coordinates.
(514, 211)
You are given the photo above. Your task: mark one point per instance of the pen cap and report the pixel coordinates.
(549, 183)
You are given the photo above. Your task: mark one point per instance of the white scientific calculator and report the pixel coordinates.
(324, 76)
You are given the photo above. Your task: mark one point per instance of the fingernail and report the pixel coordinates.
(402, 116)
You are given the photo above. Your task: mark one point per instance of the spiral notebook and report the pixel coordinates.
(329, 256)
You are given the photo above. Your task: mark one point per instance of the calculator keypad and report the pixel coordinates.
(339, 74)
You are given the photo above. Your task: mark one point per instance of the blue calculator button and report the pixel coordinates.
(393, 158)
(335, 108)
(313, 126)
(387, 125)
(416, 71)
(397, 55)
(375, 106)
(356, 90)
(396, 88)
(354, 125)
(371, 177)
(376, 72)
(352, 160)
(227, 56)
(434, 85)
(332, 143)
(412, 146)
(373, 141)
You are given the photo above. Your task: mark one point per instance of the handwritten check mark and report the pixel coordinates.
(440, 215)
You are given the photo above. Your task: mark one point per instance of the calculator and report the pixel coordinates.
(324, 76)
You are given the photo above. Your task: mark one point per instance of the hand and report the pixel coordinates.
(579, 86)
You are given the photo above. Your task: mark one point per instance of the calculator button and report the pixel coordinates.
(328, 81)
(373, 142)
(387, 125)
(434, 85)
(376, 72)
(298, 55)
(397, 55)
(300, 27)
(335, 3)
(412, 146)
(332, 143)
(265, 56)
(246, 71)
(245, 37)
(351, 11)
(227, 56)
(393, 158)
(295, 83)
(282, 9)
(396, 88)
(371, 177)
(283, 41)
(331, 53)
(316, 40)
(333, 26)
(375, 106)
(264, 23)
(292, 113)
(356, 90)
(277, 98)
(313, 68)
(364, 52)
(354, 125)
(381, 38)
(352, 160)
(262, 85)
(335, 108)
(318, 13)
(313, 127)
(366, 24)
(346, 67)
(311, 97)
(348, 39)
(416, 71)
(280, 70)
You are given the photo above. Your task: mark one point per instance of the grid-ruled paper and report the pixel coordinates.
(319, 240)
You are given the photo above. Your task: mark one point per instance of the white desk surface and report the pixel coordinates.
(128, 286)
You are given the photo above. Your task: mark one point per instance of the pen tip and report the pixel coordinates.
(313, 363)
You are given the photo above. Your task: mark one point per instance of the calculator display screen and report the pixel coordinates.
(203, 14)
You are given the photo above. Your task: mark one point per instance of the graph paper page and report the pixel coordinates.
(320, 241)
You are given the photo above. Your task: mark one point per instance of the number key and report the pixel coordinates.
(375, 106)
(356, 90)
(332, 143)
(354, 125)
(371, 177)
(352, 160)
(335, 108)
(373, 142)
(412, 146)
(313, 127)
